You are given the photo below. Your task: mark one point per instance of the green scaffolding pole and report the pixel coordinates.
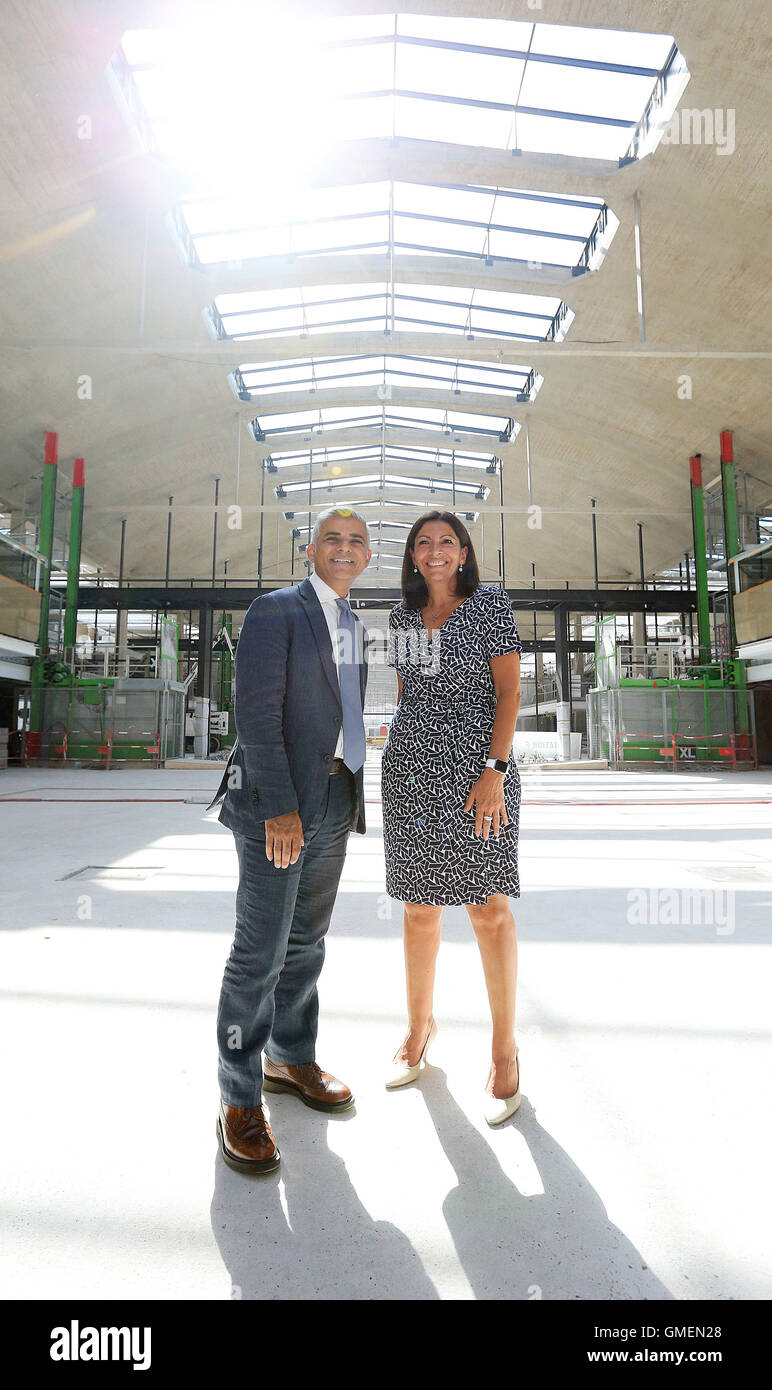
(732, 548)
(700, 561)
(73, 558)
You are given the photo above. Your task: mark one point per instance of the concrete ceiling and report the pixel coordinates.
(608, 422)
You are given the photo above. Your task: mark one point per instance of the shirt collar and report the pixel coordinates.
(324, 592)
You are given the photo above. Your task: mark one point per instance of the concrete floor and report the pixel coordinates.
(636, 1167)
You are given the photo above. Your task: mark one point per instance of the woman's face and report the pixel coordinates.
(437, 551)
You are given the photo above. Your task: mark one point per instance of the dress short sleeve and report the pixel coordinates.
(501, 633)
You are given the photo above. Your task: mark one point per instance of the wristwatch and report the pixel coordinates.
(497, 763)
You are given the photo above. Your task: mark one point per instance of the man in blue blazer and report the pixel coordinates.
(293, 791)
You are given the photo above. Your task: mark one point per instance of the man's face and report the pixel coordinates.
(340, 553)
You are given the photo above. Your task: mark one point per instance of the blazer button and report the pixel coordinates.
(327, 758)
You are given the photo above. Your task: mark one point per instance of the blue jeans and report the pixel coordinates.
(269, 998)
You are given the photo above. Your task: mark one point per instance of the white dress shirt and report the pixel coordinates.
(329, 600)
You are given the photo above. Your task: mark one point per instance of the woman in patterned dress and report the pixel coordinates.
(450, 822)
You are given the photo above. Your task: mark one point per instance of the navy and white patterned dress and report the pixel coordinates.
(437, 748)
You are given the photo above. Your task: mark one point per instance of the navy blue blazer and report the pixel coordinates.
(288, 714)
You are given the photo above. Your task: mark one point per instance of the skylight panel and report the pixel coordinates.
(300, 419)
(451, 122)
(417, 308)
(268, 429)
(365, 68)
(586, 92)
(545, 135)
(428, 218)
(546, 212)
(454, 419)
(321, 462)
(444, 200)
(602, 45)
(432, 238)
(493, 33)
(457, 73)
(359, 81)
(352, 234)
(345, 28)
(360, 118)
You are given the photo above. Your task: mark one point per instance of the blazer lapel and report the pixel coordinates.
(313, 610)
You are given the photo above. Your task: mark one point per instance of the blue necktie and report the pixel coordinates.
(354, 748)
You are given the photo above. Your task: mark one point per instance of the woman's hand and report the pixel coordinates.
(487, 797)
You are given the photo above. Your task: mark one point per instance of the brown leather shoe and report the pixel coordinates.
(246, 1140)
(314, 1086)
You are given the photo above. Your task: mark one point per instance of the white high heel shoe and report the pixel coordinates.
(403, 1074)
(497, 1111)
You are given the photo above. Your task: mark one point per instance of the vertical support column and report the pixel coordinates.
(689, 611)
(731, 528)
(639, 267)
(46, 541)
(700, 560)
(262, 520)
(644, 642)
(96, 617)
(563, 681)
(168, 543)
(732, 548)
(577, 663)
(73, 557)
(46, 547)
(121, 614)
(501, 503)
(538, 665)
(214, 532)
(226, 675)
(595, 557)
(204, 675)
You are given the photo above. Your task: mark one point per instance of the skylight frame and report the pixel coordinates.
(382, 481)
(252, 381)
(408, 503)
(666, 75)
(392, 419)
(288, 235)
(479, 315)
(394, 454)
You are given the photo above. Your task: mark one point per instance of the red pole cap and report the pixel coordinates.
(79, 473)
(727, 446)
(52, 448)
(695, 469)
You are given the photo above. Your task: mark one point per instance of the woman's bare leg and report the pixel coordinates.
(422, 928)
(494, 927)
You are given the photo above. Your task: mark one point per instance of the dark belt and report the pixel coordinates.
(337, 765)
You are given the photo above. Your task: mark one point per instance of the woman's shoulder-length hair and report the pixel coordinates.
(414, 591)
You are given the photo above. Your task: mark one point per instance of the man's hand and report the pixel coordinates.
(284, 839)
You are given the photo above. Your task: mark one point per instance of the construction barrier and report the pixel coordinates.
(108, 750)
(681, 750)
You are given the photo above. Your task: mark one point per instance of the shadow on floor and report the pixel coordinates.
(327, 1246)
(559, 1244)
(319, 1242)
